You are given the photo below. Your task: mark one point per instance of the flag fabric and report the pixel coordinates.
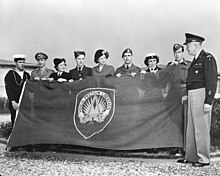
(123, 113)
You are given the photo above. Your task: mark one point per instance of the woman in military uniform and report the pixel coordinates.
(60, 75)
(151, 61)
(102, 68)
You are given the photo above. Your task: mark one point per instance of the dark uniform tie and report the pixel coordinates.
(127, 67)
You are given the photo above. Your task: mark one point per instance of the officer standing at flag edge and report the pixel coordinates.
(201, 87)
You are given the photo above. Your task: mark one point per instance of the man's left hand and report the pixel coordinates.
(207, 108)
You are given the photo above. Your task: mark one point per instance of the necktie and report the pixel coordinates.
(127, 67)
(80, 69)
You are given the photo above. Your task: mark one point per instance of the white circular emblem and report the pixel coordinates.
(94, 106)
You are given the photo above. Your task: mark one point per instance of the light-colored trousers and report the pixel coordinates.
(198, 128)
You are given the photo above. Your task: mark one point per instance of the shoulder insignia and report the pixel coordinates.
(209, 57)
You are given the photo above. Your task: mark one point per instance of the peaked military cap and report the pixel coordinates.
(193, 38)
(41, 55)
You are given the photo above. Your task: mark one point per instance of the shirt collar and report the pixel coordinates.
(183, 61)
(129, 65)
(79, 67)
(197, 55)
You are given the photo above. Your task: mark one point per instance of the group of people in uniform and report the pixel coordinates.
(198, 86)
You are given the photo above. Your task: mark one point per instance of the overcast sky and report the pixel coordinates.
(58, 27)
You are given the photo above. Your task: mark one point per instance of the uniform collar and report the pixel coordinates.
(129, 65)
(153, 70)
(183, 61)
(59, 73)
(77, 67)
(97, 68)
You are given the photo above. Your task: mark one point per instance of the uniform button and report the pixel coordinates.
(196, 71)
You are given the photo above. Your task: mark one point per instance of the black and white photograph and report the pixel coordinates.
(104, 87)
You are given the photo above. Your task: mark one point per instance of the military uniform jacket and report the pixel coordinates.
(203, 74)
(14, 84)
(125, 71)
(184, 66)
(76, 75)
(64, 75)
(183, 73)
(107, 70)
(38, 74)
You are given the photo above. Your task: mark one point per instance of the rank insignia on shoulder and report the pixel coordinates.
(209, 57)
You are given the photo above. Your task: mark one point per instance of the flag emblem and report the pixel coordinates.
(94, 109)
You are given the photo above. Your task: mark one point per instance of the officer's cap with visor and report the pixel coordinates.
(193, 38)
(41, 55)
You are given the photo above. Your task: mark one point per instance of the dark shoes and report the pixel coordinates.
(197, 164)
(183, 161)
(200, 164)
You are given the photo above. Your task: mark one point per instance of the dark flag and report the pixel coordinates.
(123, 113)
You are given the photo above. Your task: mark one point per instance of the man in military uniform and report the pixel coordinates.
(81, 71)
(42, 72)
(201, 86)
(128, 68)
(183, 64)
(14, 81)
